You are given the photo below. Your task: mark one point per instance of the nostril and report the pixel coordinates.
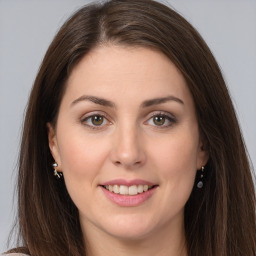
(128, 165)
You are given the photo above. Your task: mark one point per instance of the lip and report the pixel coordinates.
(127, 182)
(128, 200)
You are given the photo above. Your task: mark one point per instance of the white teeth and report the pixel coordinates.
(124, 190)
(140, 189)
(133, 190)
(116, 189)
(128, 190)
(145, 187)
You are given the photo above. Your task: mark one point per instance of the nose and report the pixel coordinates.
(128, 148)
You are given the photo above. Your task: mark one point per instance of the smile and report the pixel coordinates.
(128, 190)
(128, 194)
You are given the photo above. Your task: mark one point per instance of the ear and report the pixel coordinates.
(53, 145)
(203, 154)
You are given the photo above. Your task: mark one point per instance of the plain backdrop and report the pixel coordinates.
(28, 26)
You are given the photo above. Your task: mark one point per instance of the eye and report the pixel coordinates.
(95, 121)
(161, 120)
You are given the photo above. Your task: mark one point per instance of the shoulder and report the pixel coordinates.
(14, 254)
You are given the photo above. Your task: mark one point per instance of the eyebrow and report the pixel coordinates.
(107, 103)
(96, 100)
(158, 101)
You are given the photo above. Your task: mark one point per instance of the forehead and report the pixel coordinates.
(111, 71)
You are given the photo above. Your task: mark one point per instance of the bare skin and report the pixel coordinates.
(128, 115)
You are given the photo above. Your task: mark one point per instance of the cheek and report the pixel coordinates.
(181, 154)
(176, 160)
(82, 158)
(79, 153)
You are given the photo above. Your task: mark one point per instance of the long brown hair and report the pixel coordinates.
(220, 218)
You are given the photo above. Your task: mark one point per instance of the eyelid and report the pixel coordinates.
(161, 113)
(95, 113)
(170, 117)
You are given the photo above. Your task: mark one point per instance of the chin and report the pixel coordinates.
(129, 227)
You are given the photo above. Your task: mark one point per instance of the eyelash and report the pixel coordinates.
(91, 126)
(169, 118)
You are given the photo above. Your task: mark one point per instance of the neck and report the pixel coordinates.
(162, 243)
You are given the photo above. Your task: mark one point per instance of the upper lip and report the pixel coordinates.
(127, 182)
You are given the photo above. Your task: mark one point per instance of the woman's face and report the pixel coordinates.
(127, 142)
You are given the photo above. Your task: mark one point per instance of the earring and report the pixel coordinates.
(200, 183)
(57, 174)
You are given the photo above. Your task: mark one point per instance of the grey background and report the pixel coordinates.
(27, 28)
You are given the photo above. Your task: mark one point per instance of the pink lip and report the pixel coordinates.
(126, 200)
(127, 183)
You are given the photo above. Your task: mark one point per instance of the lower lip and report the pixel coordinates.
(126, 200)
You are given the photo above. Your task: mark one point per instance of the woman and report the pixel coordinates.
(131, 145)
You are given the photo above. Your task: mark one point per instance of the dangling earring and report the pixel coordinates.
(57, 174)
(200, 183)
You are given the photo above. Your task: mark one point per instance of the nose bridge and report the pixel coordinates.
(128, 150)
